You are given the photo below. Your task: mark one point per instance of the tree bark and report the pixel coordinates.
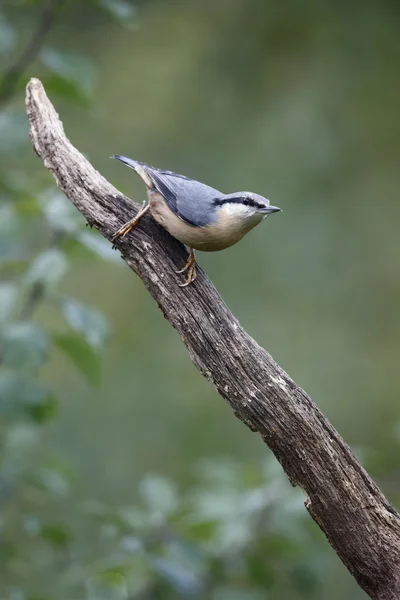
(359, 522)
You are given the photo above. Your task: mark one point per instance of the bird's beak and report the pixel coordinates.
(269, 210)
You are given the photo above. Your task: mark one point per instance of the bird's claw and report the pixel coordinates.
(127, 227)
(122, 232)
(185, 268)
(190, 267)
(192, 274)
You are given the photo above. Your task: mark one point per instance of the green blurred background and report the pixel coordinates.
(296, 101)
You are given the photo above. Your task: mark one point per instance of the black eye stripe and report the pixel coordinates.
(250, 202)
(239, 200)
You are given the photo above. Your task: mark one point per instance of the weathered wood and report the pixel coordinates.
(360, 524)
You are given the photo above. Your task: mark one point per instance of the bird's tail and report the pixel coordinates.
(141, 169)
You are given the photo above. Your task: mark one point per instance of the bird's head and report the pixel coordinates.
(246, 204)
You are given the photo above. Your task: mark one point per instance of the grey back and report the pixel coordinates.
(191, 200)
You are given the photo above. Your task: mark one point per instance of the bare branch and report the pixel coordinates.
(360, 524)
(10, 78)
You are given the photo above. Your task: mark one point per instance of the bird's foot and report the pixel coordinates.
(192, 274)
(125, 229)
(190, 267)
(189, 263)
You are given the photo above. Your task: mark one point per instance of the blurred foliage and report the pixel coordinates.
(229, 537)
(297, 101)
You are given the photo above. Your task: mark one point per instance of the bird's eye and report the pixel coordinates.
(249, 201)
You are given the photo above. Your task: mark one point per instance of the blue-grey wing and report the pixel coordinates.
(190, 200)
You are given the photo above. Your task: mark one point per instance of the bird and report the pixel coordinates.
(194, 213)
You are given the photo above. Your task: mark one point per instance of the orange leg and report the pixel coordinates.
(190, 267)
(125, 229)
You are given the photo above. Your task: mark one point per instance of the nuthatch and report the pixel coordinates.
(194, 213)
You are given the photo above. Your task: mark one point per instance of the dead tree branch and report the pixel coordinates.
(360, 524)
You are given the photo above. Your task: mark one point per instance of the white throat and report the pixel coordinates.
(235, 209)
(239, 217)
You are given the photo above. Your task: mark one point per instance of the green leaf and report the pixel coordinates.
(8, 296)
(18, 393)
(117, 564)
(124, 520)
(66, 89)
(185, 582)
(56, 534)
(122, 10)
(20, 440)
(70, 66)
(99, 246)
(106, 586)
(82, 355)
(24, 346)
(26, 205)
(91, 323)
(21, 395)
(12, 267)
(42, 411)
(47, 268)
(159, 494)
(32, 524)
(7, 35)
(59, 212)
(52, 479)
(261, 572)
(201, 531)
